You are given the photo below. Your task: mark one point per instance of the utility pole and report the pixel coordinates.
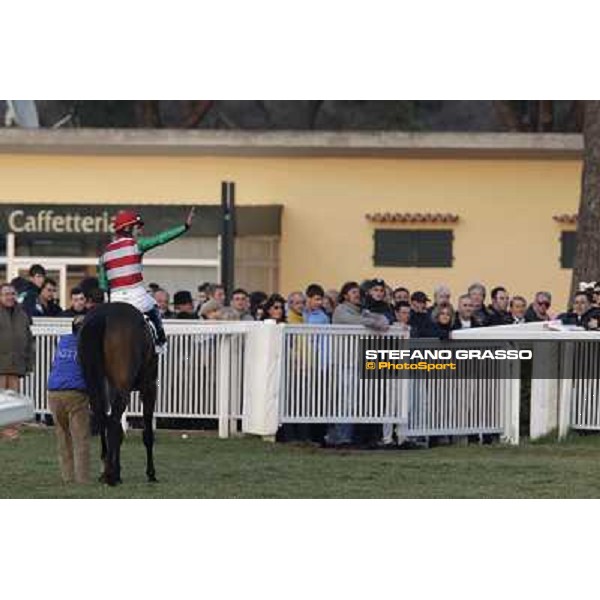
(228, 236)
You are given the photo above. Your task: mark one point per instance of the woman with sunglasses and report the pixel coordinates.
(274, 308)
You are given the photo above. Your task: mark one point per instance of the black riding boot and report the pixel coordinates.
(154, 316)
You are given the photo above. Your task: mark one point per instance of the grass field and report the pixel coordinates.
(205, 467)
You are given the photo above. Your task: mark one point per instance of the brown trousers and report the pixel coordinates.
(70, 410)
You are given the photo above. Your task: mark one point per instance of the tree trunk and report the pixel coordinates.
(507, 114)
(148, 113)
(587, 252)
(545, 115)
(197, 110)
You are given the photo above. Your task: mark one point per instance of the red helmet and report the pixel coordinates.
(126, 219)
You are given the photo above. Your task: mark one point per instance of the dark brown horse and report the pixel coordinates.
(117, 355)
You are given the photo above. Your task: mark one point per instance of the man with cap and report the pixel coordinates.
(184, 305)
(419, 317)
(375, 300)
(120, 270)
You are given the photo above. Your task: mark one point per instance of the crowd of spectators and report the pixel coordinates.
(372, 303)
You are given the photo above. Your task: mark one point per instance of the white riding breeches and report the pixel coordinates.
(136, 296)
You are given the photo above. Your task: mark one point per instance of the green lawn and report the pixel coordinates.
(205, 467)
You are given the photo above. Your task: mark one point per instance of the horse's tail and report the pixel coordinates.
(91, 357)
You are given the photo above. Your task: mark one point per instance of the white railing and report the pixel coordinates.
(565, 383)
(264, 375)
(580, 390)
(200, 376)
(321, 384)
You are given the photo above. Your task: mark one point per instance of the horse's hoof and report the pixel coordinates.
(152, 479)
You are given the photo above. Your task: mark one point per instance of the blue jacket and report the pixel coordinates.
(316, 317)
(66, 373)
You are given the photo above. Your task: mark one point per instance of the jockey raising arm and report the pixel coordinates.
(120, 268)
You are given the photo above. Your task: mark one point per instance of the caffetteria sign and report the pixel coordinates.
(59, 220)
(51, 221)
(95, 220)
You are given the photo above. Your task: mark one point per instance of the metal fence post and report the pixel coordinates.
(224, 385)
(566, 390)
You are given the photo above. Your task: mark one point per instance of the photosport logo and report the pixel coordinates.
(393, 357)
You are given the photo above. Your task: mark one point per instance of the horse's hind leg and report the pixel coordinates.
(114, 438)
(114, 435)
(149, 401)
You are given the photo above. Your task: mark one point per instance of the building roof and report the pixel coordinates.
(412, 217)
(290, 143)
(566, 219)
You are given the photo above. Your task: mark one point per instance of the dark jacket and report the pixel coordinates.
(185, 315)
(458, 323)
(571, 318)
(380, 307)
(30, 298)
(531, 316)
(169, 314)
(419, 322)
(482, 316)
(66, 372)
(442, 331)
(52, 309)
(71, 313)
(16, 342)
(498, 317)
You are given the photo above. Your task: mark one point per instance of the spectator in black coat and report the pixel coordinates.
(184, 305)
(441, 296)
(162, 301)
(29, 299)
(518, 308)
(464, 319)
(582, 312)
(274, 308)
(47, 305)
(538, 309)
(93, 297)
(477, 292)
(77, 304)
(596, 295)
(375, 300)
(402, 312)
(442, 319)
(401, 294)
(497, 310)
(419, 317)
(257, 304)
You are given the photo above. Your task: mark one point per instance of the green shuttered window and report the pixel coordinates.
(567, 249)
(413, 248)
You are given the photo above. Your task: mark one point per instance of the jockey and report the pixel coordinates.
(120, 268)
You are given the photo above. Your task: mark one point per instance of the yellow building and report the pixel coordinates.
(417, 209)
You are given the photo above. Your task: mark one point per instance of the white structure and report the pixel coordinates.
(15, 408)
(264, 374)
(570, 398)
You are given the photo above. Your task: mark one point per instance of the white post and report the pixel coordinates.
(262, 378)
(544, 391)
(566, 390)
(224, 386)
(513, 406)
(10, 256)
